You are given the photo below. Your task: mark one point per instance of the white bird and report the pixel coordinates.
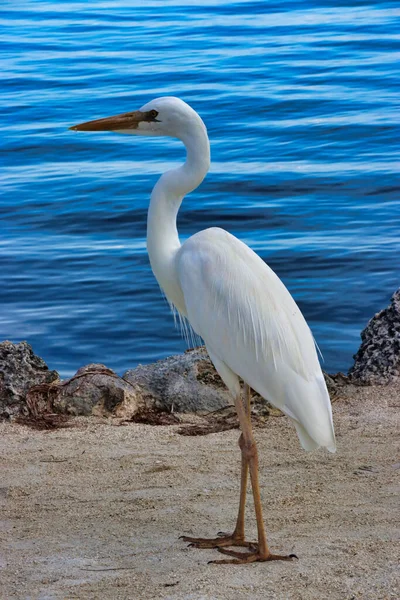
(251, 326)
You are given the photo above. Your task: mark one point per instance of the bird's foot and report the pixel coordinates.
(242, 558)
(221, 541)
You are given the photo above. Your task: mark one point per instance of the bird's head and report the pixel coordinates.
(167, 116)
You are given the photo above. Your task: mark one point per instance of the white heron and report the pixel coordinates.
(251, 326)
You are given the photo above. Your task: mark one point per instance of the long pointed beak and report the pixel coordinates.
(129, 120)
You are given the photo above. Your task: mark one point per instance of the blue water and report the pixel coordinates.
(302, 105)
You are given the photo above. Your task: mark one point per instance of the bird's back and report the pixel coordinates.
(248, 319)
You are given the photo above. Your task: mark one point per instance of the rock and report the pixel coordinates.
(20, 369)
(95, 389)
(335, 384)
(377, 361)
(183, 383)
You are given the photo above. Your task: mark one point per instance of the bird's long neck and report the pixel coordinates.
(166, 198)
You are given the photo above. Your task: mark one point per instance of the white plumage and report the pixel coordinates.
(250, 324)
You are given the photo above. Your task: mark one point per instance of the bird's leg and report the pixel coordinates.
(237, 537)
(261, 553)
(238, 532)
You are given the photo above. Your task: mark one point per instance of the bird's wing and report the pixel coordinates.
(250, 322)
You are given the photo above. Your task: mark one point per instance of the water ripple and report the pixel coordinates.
(302, 108)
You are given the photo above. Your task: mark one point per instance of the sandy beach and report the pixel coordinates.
(95, 511)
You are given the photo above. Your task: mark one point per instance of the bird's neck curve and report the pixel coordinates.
(166, 198)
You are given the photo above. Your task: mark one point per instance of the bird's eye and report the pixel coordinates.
(153, 114)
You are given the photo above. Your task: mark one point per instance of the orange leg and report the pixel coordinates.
(237, 537)
(261, 552)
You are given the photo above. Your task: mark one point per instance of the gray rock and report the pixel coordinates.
(377, 361)
(95, 389)
(20, 369)
(183, 383)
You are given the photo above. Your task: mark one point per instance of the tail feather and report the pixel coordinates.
(305, 440)
(308, 404)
